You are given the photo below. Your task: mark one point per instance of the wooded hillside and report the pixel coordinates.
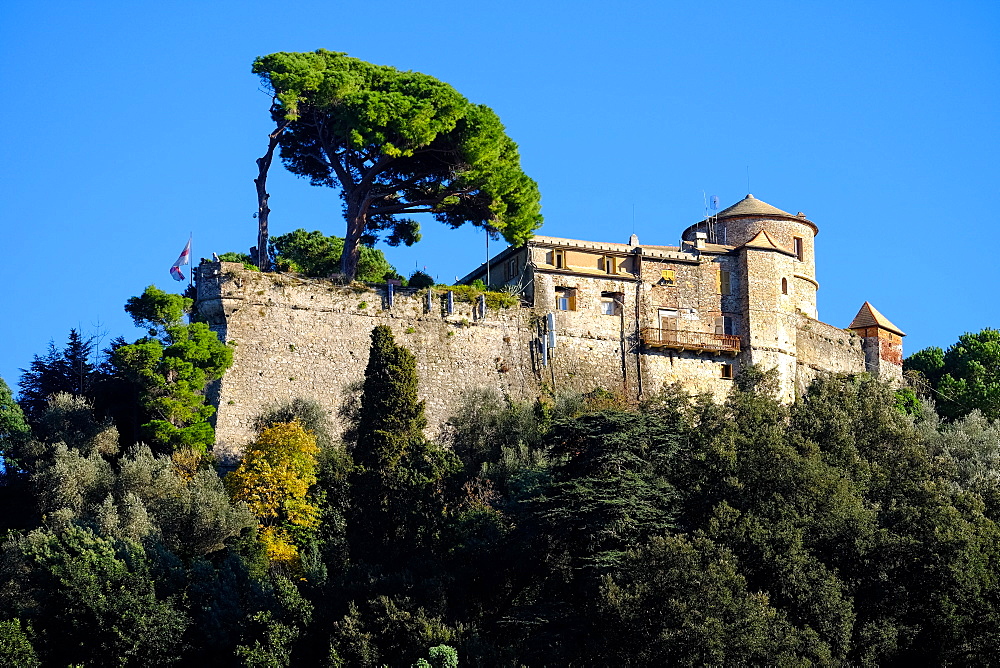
(853, 527)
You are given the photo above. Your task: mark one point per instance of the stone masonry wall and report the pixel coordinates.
(771, 324)
(800, 274)
(595, 350)
(822, 347)
(309, 338)
(296, 337)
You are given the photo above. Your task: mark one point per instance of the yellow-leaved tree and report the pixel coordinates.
(274, 479)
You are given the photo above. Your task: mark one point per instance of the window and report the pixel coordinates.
(510, 269)
(797, 241)
(611, 303)
(724, 283)
(726, 324)
(558, 259)
(668, 318)
(610, 264)
(667, 277)
(727, 371)
(784, 286)
(565, 299)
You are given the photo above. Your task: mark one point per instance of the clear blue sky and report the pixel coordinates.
(130, 124)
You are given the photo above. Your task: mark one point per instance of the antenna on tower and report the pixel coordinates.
(711, 220)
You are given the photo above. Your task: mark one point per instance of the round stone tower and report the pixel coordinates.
(772, 256)
(742, 224)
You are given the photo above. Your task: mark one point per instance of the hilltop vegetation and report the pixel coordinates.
(853, 527)
(964, 378)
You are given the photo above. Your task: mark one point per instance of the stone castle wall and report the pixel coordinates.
(296, 337)
(822, 347)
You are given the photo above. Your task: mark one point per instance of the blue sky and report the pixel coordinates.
(129, 125)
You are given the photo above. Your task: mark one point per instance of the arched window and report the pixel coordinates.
(784, 286)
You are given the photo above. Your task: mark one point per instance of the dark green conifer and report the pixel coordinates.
(392, 415)
(398, 485)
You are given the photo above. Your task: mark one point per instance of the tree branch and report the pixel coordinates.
(408, 207)
(369, 177)
(334, 160)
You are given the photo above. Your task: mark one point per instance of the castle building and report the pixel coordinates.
(739, 289)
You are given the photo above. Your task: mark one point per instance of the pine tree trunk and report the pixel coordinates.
(356, 221)
(263, 210)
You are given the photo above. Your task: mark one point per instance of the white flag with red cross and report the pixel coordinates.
(185, 258)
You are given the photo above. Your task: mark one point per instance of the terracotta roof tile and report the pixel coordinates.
(869, 316)
(764, 240)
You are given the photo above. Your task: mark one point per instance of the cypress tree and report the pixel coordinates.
(392, 415)
(397, 485)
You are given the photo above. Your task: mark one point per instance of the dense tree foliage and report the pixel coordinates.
(133, 559)
(843, 529)
(313, 254)
(172, 366)
(419, 280)
(964, 378)
(395, 144)
(399, 475)
(274, 479)
(71, 369)
(13, 426)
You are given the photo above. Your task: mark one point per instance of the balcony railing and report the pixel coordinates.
(678, 339)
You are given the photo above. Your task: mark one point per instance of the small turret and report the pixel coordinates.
(882, 342)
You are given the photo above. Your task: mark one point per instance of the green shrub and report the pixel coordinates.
(239, 257)
(420, 280)
(470, 293)
(317, 255)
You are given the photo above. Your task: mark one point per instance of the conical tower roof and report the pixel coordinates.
(751, 206)
(869, 316)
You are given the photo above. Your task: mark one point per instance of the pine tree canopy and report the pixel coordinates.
(396, 144)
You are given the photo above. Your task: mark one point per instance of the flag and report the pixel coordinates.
(185, 258)
(715, 202)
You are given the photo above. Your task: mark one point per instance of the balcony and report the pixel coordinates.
(698, 342)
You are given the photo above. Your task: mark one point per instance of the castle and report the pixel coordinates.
(739, 289)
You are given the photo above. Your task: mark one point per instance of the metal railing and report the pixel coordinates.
(679, 339)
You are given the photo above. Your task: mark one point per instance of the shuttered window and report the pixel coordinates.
(724, 283)
(565, 299)
(726, 324)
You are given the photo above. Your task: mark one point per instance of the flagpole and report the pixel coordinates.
(191, 265)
